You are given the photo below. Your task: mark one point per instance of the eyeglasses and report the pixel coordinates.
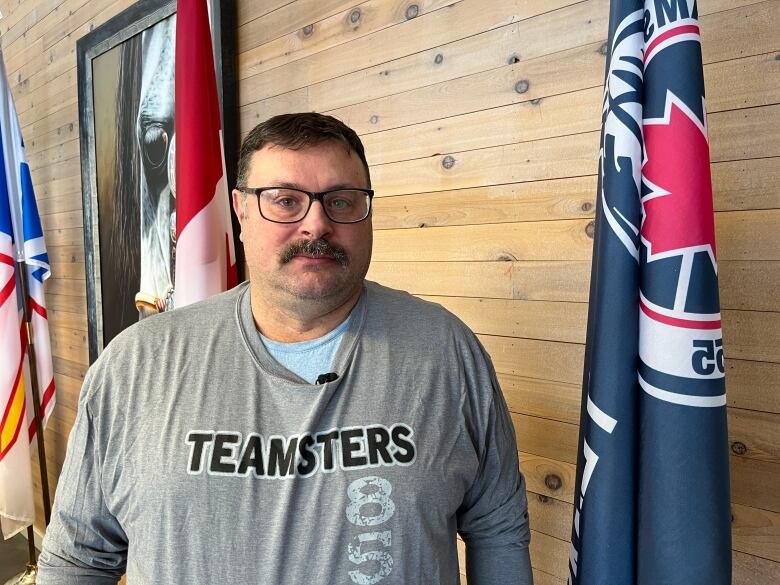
(285, 205)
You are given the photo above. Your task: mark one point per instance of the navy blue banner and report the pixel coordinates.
(651, 503)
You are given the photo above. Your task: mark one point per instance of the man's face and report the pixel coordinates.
(274, 270)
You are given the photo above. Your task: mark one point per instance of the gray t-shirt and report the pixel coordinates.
(196, 458)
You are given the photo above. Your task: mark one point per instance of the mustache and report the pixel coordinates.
(315, 248)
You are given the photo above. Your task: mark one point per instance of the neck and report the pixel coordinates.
(305, 321)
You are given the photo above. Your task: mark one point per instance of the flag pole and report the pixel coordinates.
(35, 394)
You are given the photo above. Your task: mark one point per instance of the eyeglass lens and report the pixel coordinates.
(290, 205)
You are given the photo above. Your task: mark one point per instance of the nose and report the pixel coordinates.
(316, 224)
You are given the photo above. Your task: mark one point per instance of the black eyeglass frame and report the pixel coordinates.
(313, 196)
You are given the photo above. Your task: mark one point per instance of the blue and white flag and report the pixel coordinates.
(651, 503)
(21, 240)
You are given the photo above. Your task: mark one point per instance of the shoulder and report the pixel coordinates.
(157, 341)
(426, 337)
(195, 319)
(417, 321)
(398, 305)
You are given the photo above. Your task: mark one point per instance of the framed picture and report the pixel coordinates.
(128, 140)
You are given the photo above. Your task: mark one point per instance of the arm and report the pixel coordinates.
(493, 519)
(84, 542)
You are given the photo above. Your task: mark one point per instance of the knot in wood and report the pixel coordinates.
(522, 86)
(603, 49)
(307, 30)
(374, 119)
(438, 58)
(448, 162)
(739, 448)
(412, 11)
(587, 206)
(542, 498)
(354, 16)
(590, 229)
(553, 482)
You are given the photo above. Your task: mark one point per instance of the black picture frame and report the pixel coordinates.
(121, 29)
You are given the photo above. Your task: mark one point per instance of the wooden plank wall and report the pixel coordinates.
(481, 124)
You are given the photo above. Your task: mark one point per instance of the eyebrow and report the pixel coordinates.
(287, 185)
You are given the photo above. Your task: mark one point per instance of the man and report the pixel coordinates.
(307, 428)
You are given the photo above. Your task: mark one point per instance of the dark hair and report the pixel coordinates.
(296, 131)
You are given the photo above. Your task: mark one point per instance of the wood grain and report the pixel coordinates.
(552, 321)
(352, 22)
(461, 20)
(550, 554)
(756, 532)
(261, 22)
(753, 570)
(754, 483)
(534, 358)
(752, 384)
(567, 198)
(548, 438)
(550, 516)
(564, 240)
(754, 434)
(467, 55)
(548, 477)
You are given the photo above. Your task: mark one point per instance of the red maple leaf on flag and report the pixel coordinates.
(678, 211)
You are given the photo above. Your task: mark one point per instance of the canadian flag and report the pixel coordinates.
(205, 252)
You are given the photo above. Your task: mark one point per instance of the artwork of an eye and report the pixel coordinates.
(155, 145)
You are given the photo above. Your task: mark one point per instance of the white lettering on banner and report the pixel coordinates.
(659, 15)
(616, 110)
(675, 355)
(607, 424)
(591, 459)
(370, 505)
(601, 418)
(682, 399)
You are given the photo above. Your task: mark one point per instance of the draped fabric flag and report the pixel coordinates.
(21, 239)
(205, 252)
(652, 494)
